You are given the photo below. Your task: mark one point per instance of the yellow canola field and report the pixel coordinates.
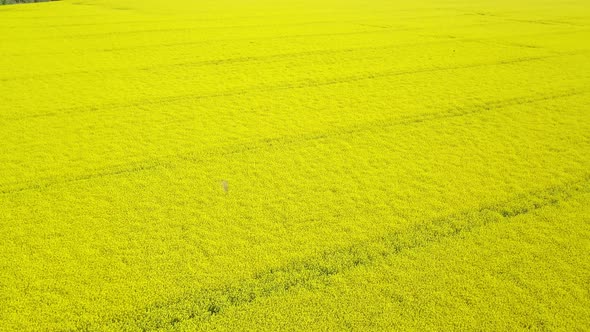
(295, 165)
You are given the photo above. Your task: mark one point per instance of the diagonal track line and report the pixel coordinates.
(303, 84)
(171, 161)
(202, 305)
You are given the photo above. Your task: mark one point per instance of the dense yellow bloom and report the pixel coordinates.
(295, 165)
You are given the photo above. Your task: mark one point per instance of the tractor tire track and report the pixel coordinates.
(281, 37)
(163, 45)
(234, 60)
(267, 58)
(302, 84)
(202, 305)
(171, 161)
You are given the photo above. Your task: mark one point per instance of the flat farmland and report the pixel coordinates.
(295, 165)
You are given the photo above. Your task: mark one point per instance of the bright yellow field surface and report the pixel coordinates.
(295, 165)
